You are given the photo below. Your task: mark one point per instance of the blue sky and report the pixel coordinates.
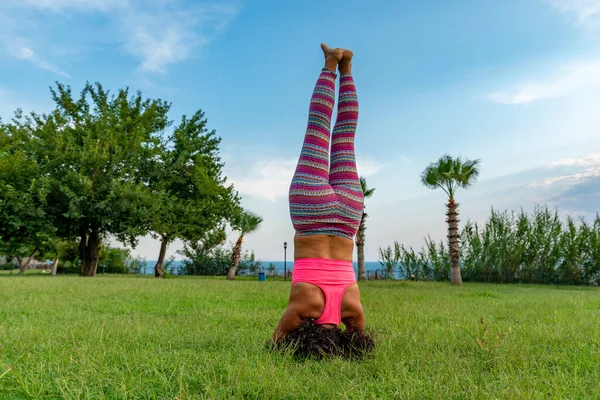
(515, 83)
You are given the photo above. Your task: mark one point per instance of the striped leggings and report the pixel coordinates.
(326, 197)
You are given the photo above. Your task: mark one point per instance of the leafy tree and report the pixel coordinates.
(245, 223)
(114, 260)
(188, 186)
(449, 174)
(92, 151)
(25, 230)
(205, 244)
(590, 247)
(360, 236)
(136, 265)
(210, 256)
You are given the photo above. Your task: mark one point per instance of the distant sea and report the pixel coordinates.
(149, 268)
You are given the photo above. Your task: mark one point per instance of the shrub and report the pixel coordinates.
(510, 247)
(217, 261)
(7, 267)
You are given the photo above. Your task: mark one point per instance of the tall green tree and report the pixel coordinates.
(189, 189)
(92, 149)
(25, 228)
(360, 235)
(245, 223)
(450, 174)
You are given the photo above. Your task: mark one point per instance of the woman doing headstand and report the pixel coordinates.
(326, 205)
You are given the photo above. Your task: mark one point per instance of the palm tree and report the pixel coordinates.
(360, 236)
(245, 222)
(449, 174)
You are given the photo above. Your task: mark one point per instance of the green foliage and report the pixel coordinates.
(216, 260)
(432, 263)
(114, 260)
(367, 192)
(389, 258)
(70, 253)
(246, 222)
(136, 264)
(437, 267)
(539, 248)
(510, 247)
(190, 193)
(68, 268)
(450, 173)
(91, 150)
(7, 266)
(26, 226)
(94, 147)
(99, 165)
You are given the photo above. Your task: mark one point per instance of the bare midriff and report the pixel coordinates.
(323, 246)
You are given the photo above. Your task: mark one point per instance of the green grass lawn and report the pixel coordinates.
(137, 337)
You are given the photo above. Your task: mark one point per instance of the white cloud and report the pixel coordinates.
(575, 178)
(158, 33)
(167, 36)
(368, 167)
(584, 10)
(566, 80)
(26, 54)
(17, 46)
(270, 180)
(582, 169)
(585, 161)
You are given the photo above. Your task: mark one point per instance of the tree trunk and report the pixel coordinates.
(360, 248)
(55, 264)
(159, 272)
(453, 244)
(23, 267)
(89, 249)
(235, 259)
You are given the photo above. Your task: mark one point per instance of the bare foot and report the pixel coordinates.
(345, 64)
(332, 56)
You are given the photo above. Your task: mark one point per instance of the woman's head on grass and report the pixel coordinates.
(311, 340)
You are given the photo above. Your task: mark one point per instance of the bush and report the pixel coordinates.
(7, 267)
(136, 265)
(217, 261)
(68, 268)
(113, 260)
(510, 247)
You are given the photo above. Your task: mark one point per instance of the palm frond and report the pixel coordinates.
(246, 222)
(450, 173)
(365, 189)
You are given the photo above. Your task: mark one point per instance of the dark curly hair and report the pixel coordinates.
(316, 341)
